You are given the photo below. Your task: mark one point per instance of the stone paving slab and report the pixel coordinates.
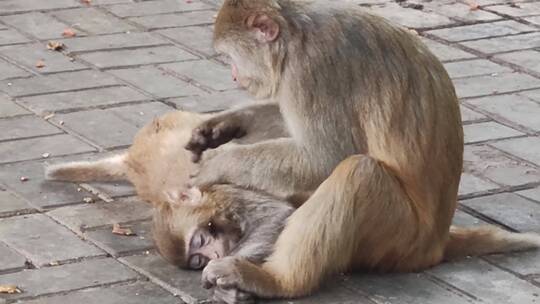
(485, 131)
(11, 260)
(156, 8)
(9, 70)
(483, 30)
(43, 241)
(99, 214)
(496, 286)
(56, 279)
(509, 209)
(119, 245)
(93, 21)
(12, 204)
(37, 24)
(136, 293)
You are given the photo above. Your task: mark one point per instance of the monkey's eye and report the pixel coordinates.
(212, 229)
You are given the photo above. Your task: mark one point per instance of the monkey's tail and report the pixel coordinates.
(476, 241)
(112, 168)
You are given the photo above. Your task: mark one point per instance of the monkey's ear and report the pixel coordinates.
(192, 196)
(267, 28)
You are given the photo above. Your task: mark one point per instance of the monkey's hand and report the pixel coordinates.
(232, 296)
(215, 132)
(223, 273)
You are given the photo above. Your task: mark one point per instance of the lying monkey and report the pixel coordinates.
(194, 226)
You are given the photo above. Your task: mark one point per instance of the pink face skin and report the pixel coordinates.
(206, 244)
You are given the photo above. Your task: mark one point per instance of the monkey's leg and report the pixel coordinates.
(358, 217)
(231, 124)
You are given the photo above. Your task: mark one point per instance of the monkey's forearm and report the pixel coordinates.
(279, 167)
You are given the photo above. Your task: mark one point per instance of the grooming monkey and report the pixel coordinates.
(376, 136)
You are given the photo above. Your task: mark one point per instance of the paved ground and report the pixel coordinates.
(133, 60)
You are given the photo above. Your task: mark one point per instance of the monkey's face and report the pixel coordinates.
(207, 243)
(249, 38)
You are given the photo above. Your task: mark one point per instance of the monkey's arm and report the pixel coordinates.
(278, 166)
(255, 122)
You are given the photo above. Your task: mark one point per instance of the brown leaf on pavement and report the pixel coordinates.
(117, 229)
(40, 64)
(55, 46)
(473, 5)
(69, 33)
(9, 289)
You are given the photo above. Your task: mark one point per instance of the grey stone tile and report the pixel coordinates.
(11, 204)
(156, 7)
(519, 10)
(11, 71)
(535, 20)
(14, 6)
(108, 2)
(25, 126)
(461, 11)
(61, 82)
(509, 209)
(81, 217)
(212, 102)
(493, 84)
(207, 73)
(405, 289)
(526, 59)
(29, 54)
(524, 263)
(118, 245)
(102, 127)
(534, 95)
(136, 293)
(68, 277)
(93, 21)
(516, 109)
(123, 58)
(468, 115)
(43, 241)
(162, 85)
(141, 114)
(9, 108)
(82, 99)
(198, 38)
(11, 260)
(472, 184)
(463, 219)
(488, 131)
(527, 148)
(175, 20)
(113, 41)
(38, 192)
(474, 68)
(410, 17)
(38, 24)
(533, 194)
(10, 36)
(487, 282)
(483, 30)
(495, 165)
(34, 148)
(505, 44)
(184, 282)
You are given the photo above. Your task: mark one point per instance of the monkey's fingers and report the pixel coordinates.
(232, 296)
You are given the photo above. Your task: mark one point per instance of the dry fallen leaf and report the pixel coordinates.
(117, 229)
(69, 33)
(55, 46)
(40, 64)
(473, 5)
(88, 200)
(45, 155)
(86, 1)
(9, 289)
(23, 179)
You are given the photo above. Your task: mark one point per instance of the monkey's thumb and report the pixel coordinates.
(476, 241)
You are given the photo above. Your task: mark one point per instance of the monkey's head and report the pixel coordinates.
(199, 227)
(250, 33)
